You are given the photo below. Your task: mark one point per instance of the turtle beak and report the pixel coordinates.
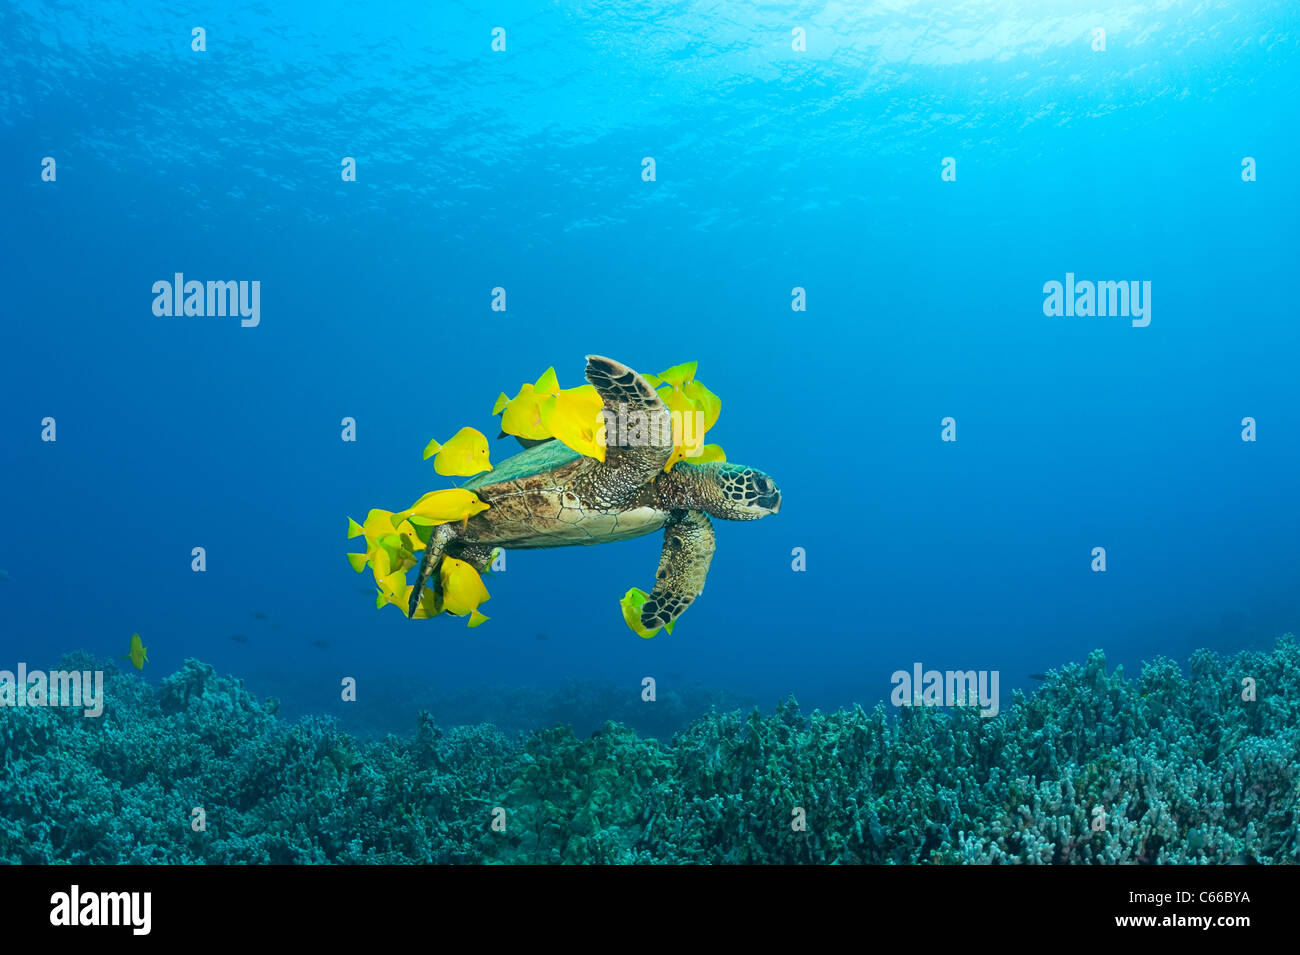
(771, 500)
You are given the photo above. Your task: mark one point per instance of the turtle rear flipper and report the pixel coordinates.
(525, 443)
(683, 566)
(433, 551)
(624, 394)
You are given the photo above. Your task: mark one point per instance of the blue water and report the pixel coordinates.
(775, 169)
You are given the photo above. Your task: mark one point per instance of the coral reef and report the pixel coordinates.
(584, 705)
(1093, 768)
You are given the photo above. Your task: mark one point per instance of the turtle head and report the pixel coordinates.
(730, 492)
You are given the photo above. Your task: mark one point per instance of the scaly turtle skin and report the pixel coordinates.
(552, 496)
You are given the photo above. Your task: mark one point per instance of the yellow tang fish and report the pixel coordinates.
(683, 409)
(705, 400)
(384, 531)
(385, 563)
(390, 556)
(574, 417)
(685, 396)
(462, 589)
(464, 454)
(139, 653)
(377, 524)
(430, 605)
(632, 603)
(444, 507)
(523, 414)
(675, 376)
(393, 589)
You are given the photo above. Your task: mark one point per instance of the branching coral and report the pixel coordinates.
(1093, 768)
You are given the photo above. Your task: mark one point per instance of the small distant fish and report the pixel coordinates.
(1244, 858)
(542, 636)
(320, 644)
(275, 626)
(239, 638)
(138, 654)
(259, 615)
(4, 575)
(1038, 676)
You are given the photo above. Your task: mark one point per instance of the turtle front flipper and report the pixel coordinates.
(641, 442)
(683, 566)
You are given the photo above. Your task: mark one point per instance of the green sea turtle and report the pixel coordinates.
(551, 496)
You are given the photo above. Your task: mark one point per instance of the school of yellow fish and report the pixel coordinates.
(539, 410)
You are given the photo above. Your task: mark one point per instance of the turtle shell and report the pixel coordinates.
(543, 497)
